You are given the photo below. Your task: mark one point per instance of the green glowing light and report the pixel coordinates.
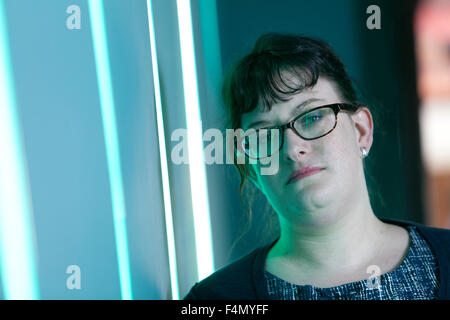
(163, 160)
(17, 257)
(199, 190)
(98, 30)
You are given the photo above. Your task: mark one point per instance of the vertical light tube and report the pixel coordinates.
(17, 257)
(163, 160)
(199, 190)
(97, 20)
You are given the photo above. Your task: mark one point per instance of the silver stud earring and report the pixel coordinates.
(364, 152)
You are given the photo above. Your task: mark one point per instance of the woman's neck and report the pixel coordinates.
(350, 240)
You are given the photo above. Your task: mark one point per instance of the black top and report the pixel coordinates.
(245, 279)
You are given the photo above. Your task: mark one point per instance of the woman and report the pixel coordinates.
(293, 95)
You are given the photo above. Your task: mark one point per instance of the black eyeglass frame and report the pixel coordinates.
(336, 107)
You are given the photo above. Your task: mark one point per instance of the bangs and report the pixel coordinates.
(270, 78)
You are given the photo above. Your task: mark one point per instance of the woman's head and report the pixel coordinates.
(268, 85)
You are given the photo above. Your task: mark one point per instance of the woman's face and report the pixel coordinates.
(319, 198)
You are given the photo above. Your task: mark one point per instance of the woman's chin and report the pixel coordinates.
(312, 202)
(312, 193)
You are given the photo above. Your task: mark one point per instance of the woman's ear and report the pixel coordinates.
(363, 121)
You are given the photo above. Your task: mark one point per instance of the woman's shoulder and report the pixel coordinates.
(405, 223)
(437, 237)
(233, 281)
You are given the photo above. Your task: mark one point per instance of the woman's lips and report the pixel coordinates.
(302, 173)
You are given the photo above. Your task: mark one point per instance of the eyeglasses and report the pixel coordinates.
(310, 125)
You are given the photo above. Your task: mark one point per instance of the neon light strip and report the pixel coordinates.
(163, 160)
(17, 256)
(199, 190)
(112, 144)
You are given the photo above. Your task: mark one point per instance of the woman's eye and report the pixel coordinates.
(310, 119)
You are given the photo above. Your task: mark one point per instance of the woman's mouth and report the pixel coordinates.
(303, 172)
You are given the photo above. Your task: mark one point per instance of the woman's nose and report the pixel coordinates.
(294, 147)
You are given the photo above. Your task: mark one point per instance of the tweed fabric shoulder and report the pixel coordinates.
(416, 278)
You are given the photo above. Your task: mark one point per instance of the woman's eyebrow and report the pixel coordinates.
(259, 122)
(304, 104)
